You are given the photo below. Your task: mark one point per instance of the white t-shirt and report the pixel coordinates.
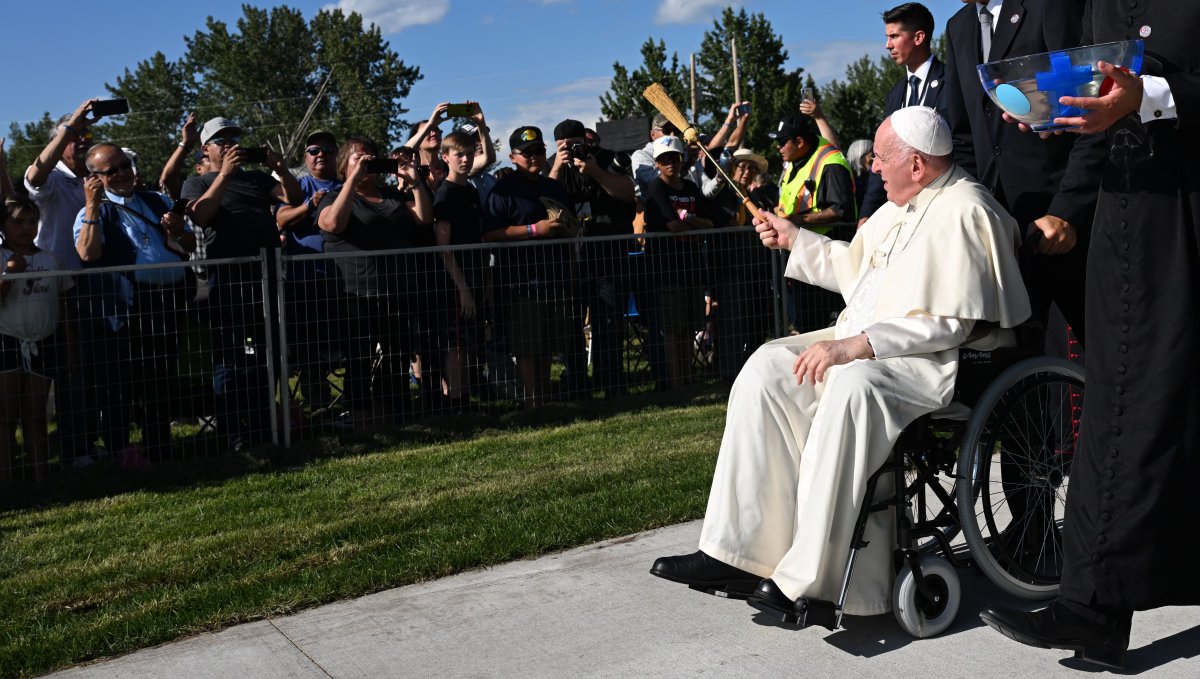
(59, 200)
(30, 310)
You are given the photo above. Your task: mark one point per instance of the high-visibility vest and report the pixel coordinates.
(798, 194)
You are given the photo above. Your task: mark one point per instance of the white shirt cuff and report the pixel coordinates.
(1157, 101)
(917, 335)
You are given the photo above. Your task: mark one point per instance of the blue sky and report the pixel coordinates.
(527, 61)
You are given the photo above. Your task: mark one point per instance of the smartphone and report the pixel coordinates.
(744, 109)
(110, 107)
(179, 206)
(807, 94)
(460, 110)
(254, 154)
(383, 165)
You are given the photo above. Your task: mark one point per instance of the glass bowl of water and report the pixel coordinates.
(1028, 88)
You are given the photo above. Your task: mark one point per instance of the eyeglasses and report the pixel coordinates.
(532, 152)
(119, 167)
(224, 141)
(316, 150)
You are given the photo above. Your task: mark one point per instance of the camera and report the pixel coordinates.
(382, 165)
(423, 171)
(579, 150)
(254, 154)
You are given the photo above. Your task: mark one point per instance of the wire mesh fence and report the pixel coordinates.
(153, 363)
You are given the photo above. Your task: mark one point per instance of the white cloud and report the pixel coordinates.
(597, 84)
(689, 11)
(393, 16)
(828, 61)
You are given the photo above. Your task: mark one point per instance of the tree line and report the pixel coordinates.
(265, 75)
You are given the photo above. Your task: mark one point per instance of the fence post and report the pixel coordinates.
(778, 295)
(285, 390)
(267, 321)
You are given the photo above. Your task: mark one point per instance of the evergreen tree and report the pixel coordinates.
(772, 90)
(263, 75)
(624, 98)
(855, 107)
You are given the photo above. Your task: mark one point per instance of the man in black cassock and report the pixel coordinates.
(1129, 533)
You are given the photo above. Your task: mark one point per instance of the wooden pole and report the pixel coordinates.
(695, 113)
(737, 81)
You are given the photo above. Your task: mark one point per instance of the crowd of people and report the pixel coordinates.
(398, 269)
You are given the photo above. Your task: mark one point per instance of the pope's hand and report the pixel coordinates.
(775, 231)
(812, 363)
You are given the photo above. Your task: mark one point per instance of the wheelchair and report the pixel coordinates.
(992, 468)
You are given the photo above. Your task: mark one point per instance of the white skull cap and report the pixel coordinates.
(923, 129)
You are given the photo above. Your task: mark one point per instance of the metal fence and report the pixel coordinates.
(173, 361)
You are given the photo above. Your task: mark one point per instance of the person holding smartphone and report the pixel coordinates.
(382, 291)
(138, 314)
(235, 206)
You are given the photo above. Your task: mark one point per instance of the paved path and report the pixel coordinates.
(596, 612)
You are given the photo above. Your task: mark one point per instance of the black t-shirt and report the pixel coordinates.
(518, 200)
(680, 253)
(385, 225)
(600, 213)
(244, 223)
(459, 206)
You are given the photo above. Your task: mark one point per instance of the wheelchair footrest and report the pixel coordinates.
(816, 612)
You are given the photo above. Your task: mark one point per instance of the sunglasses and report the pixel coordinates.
(532, 152)
(115, 169)
(316, 150)
(225, 141)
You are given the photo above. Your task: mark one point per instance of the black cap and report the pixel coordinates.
(321, 134)
(568, 129)
(795, 125)
(524, 137)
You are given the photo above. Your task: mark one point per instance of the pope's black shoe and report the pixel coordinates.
(701, 571)
(768, 598)
(1057, 626)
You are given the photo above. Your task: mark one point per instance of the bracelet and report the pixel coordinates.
(531, 229)
(89, 221)
(183, 144)
(730, 124)
(70, 129)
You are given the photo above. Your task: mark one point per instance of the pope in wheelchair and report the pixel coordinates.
(812, 417)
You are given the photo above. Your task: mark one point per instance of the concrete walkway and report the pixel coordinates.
(596, 612)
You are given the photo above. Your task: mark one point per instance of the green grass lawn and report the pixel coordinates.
(116, 564)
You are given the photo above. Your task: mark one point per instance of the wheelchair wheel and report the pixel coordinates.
(919, 615)
(1014, 470)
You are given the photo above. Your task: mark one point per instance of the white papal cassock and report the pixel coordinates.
(920, 280)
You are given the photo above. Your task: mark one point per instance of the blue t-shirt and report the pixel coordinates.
(305, 238)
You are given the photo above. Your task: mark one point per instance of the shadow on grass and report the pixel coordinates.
(203, 462)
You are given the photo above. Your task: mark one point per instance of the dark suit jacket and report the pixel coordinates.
(1032, 177)
(935, 97)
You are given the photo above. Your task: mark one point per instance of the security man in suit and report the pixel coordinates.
(909, 30)
(1049, 187)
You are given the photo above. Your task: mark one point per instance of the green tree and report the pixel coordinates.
(855, 107)
(624, 98)
(772, 90)
(25, 142)
(264, 74)
(157, 97)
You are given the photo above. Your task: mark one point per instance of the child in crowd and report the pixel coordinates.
(456, 211)
(29, 314)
